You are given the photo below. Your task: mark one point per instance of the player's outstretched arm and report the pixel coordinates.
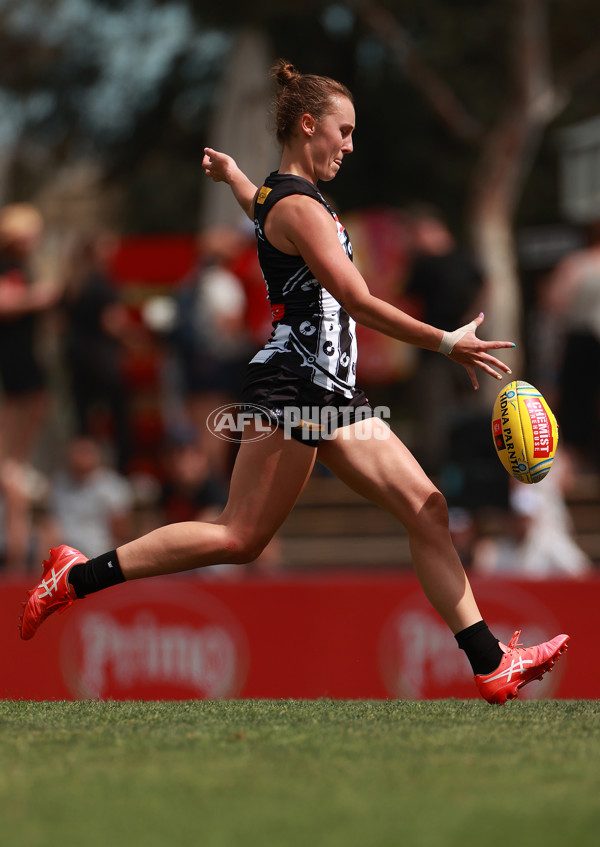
(223, 168)
(309, 228)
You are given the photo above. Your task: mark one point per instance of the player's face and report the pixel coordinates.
(332, 139)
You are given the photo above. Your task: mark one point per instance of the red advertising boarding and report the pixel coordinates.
(345, 636)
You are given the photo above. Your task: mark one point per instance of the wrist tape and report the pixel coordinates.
(451, 339)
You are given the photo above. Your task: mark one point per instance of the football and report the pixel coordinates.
(525, 432)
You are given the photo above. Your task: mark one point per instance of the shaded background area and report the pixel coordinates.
(135, 88)
(487, 113)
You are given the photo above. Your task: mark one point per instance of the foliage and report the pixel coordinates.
(133, 84)
(107, 81)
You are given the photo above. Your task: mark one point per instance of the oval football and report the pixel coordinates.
(525, 432)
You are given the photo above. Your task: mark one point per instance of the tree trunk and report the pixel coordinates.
(493, 243)
(505, 153)
(493, 195)
(240, 127)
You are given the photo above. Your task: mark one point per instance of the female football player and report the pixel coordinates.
(317, 295)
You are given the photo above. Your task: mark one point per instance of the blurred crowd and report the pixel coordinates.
(92, 457)
(103, 400)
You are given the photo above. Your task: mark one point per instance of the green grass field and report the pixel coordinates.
(300, 773)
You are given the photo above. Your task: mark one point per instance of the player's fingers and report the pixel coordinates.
(488, 369)
(497, 345)
(495, 363)
(473, 376)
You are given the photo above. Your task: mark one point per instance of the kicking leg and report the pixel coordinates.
(372, 460)
(382, 469)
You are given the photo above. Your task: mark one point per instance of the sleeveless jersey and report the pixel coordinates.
(313, 336)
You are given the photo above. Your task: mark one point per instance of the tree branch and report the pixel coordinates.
(585, 66)
(537, 97)
(435, 89)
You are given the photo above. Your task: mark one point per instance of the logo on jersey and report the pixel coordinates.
(263, 194)
(328, 348)
(306, 328)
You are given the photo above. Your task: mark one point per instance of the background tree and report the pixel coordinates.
(506, 138)
(118, 97)
(110, 84)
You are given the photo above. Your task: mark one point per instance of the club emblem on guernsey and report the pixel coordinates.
(263, 194)
(306, 328)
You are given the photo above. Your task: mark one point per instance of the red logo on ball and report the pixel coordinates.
(542, 428)
(498, 436)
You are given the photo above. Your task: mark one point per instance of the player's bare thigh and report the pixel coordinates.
(268, 477)
(370, 458)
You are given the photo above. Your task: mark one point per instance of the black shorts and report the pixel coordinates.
(307, 412)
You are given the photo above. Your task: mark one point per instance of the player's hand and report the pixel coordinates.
(464, 347)
(218, 166)
(223, 168)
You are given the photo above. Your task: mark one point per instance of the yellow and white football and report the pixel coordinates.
(525, 432)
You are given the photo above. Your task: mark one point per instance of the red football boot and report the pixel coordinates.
(53, 593)
(519, 666)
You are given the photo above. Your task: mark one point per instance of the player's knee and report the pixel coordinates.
(245, 549)
(433, 514)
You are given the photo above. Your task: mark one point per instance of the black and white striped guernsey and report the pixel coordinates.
(313, 336)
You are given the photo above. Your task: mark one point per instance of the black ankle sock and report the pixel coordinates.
(96, 574)
(482, 648)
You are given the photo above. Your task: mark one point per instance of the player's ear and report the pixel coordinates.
(307, 124)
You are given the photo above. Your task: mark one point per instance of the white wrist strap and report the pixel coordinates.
(451, 339)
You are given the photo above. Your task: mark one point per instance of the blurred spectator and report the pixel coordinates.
(23, 379)
(538, 540)
(258, 318)
(97, 329)
(91, 504)
(443, 285)
(24, 537)
(209, 338)
(572, 297)
(191, 490)
(463, 530)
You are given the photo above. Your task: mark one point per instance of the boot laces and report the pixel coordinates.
(514, 641)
